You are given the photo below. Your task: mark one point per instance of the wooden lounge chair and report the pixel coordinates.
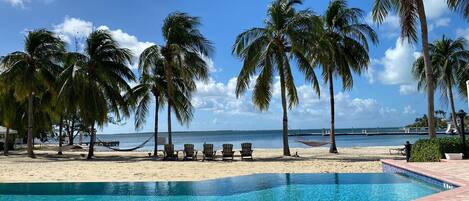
(227, 153)
(169, 153)
(190, 152)
(246, 151)
(208, 152)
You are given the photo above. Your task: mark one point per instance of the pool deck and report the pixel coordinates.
(453, 172)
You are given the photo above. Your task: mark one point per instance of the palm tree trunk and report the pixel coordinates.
(428, 70)
(333, 147)
(286, 147)
(60, 135)
(5, 144)
(72, 130)
(92, 140)
(30, 125)
(156, 127)
(170, 135)
(453, 110)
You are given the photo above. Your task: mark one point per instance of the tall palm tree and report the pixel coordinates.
(153, 83)
(411, 11)
(449, 59)
(34, 67)
(184, 51)
(285, 36)
(342, 50)
(98, 77)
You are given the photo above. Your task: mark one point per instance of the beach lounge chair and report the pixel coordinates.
(208, 152)
(246, 151)
(169, 153)
(227, 153)
(397, 151)
(190, 152)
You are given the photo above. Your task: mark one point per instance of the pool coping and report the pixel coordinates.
(461, 185)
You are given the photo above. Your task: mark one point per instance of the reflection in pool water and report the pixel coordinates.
(374, 186)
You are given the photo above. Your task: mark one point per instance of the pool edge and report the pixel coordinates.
(458, 186)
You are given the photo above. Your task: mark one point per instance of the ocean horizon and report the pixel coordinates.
(266, 138)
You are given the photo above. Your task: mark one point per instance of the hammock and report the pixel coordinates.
(313, 143)
(128, 149)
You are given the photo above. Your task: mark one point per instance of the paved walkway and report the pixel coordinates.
(454, 172)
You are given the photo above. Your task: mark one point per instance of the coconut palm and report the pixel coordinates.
(285, 36)
(33, 68)
(412, 13)
(342, 50)
(184, 51)
(98, 78)
(449, 59)
(153, 83)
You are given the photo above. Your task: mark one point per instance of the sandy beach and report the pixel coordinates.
(137, 166)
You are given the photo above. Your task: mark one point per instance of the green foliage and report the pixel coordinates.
(422, 122)
(432, 150)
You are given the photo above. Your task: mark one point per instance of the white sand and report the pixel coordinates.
(137, 166)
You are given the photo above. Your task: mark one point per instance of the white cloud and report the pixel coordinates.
(17, 3)
(435, 8)
(407, 89)
(388, 27)
(408, 110)
(75, 28)
(442, 22)
(463, 33)
(397, 63)
(211, 65)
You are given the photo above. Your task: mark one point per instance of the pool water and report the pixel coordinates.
(295, 187)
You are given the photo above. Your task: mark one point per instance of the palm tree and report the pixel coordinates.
(184, 51)
(411, 11)
(285, 36)
(342, 50)
(34, 67)
(98, 77)
(449, 59)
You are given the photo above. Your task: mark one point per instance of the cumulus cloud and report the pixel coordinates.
(17, 3)
(76, 28)
(397, 63)
(407, 89)
(220, 99)
(435, 8)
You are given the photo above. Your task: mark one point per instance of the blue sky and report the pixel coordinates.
(384, 96)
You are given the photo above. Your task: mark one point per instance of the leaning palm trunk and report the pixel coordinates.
(428, 69)
(92, 141)
(333, 148)
(170, 135)
(5, 144)
(286, 147)
(30, 126)
(156, 127)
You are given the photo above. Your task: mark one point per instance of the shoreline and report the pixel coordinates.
(138, 167)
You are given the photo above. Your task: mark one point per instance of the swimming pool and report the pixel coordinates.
(373, 186)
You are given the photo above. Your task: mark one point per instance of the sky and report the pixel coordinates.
(384, 96)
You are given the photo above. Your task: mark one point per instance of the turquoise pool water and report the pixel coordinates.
(299, 187)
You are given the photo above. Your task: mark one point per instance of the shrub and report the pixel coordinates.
(433, 150)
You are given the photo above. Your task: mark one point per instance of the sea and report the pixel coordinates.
(350, 137)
